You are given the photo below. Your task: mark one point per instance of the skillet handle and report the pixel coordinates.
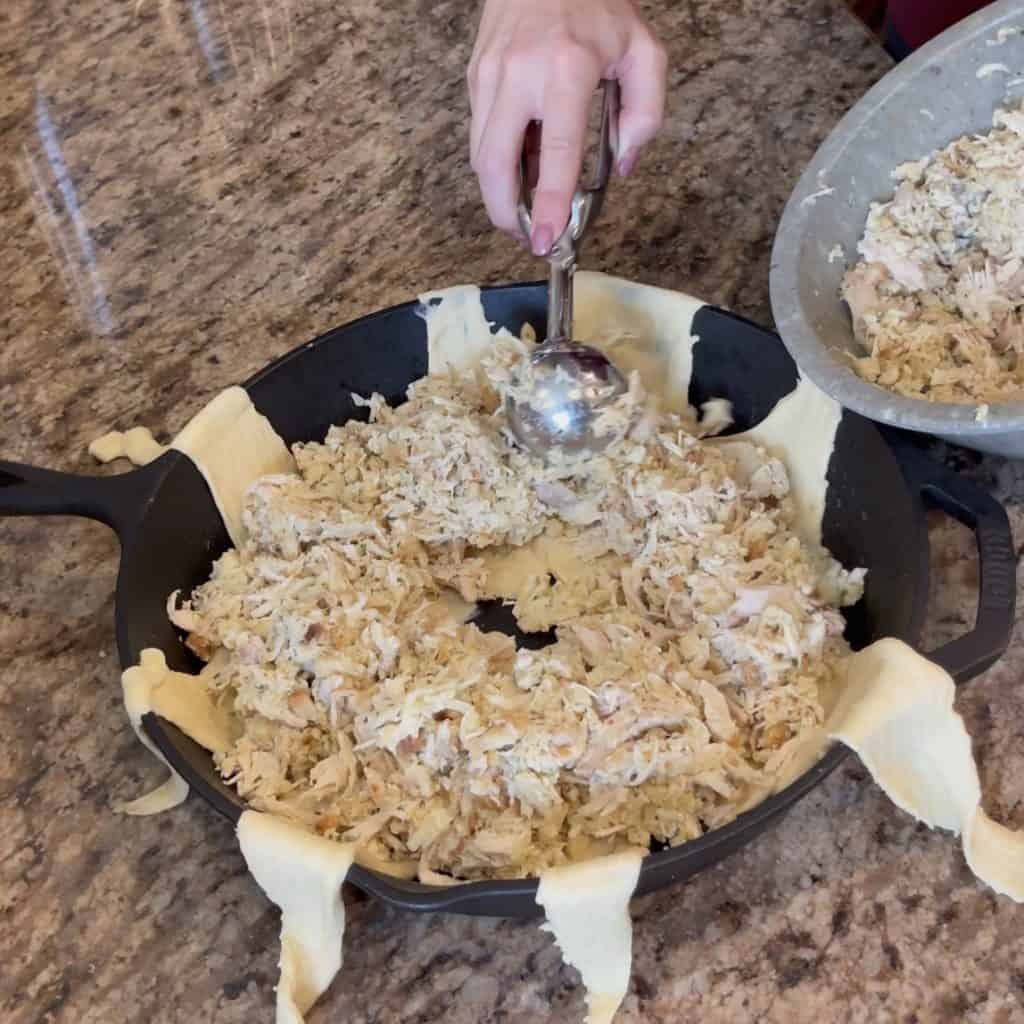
(118, 501)
(980, 648)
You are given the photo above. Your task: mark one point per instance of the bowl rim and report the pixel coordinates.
(819, 363)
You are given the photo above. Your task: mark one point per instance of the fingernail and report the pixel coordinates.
(542, 240)
(627, 163)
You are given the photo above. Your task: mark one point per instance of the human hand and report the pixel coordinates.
(542, 60)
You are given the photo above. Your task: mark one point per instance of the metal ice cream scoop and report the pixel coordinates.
(571, 384)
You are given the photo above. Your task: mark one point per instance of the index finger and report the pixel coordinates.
(496, 161)
(563, 133)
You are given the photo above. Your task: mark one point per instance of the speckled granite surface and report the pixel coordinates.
(191, 187)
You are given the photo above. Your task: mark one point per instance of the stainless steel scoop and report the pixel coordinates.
(571, 383)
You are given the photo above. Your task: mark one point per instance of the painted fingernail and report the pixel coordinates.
(542, 240)
(627, 163)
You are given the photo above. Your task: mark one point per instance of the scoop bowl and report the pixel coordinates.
(572, 386)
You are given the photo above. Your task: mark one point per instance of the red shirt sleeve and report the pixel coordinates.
(917, 21)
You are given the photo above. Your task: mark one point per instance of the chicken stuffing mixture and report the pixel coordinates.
(696, 635)
(938, 297)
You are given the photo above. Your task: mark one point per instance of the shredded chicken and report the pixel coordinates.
(695, 635)
(937, 299)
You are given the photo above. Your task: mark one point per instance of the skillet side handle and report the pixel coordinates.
(980, 648)
(118, 501)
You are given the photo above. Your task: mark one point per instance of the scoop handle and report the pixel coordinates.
(583, 212)
(560, 302)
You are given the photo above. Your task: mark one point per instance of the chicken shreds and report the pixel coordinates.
(938, 297)
(695, 636)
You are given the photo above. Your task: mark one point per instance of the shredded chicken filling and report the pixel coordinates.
(937, 299)
(695, 634)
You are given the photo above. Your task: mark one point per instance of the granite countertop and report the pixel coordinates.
(189, 188)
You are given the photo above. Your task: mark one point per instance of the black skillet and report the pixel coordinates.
(171, 532)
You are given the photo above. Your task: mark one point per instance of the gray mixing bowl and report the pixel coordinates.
(948, 88)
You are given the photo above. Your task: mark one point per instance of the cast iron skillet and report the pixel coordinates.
(171, 532)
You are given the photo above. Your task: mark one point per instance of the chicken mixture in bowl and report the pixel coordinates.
(938, 296)
(696, 635)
